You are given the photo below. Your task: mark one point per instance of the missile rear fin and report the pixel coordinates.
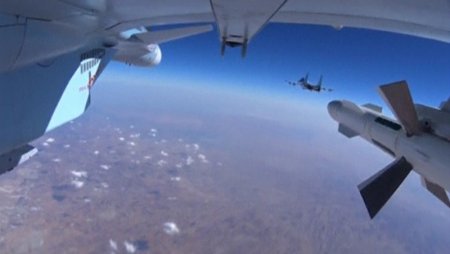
(346, 131)
(436, 190)
(398, 98)
(373, 107)
(379, 188)
(445, 105)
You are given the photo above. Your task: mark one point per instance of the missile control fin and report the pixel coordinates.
(346, 131)
(436, 190)
(379, 188)
(398, 97)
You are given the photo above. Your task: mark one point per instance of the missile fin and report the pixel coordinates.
(445, 105)
(346, 131)
(373, 107)
(379, 188)
(398, 98)
(436, 190)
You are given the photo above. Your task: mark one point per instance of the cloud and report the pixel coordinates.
(50, 140)
(96, 152)
(176, 179)
(202, 158)
(77, 183)
(163, 153)
(161, 163)
(131, 143)
(67, 146)
(105, 167)
(129, 247)
(121, 138)
(189, 160)
(79, 173)
(171, 228)
(135, 135)
(113, 244)
(56, 160)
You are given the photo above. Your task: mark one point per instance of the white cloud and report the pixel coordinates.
(96, 152)
(129, 247)
(50, 140)
(121, 138)
(104, 166)
(189, 160)
(179, 165)
(171, 228)
(67, 146)
(131, 143)
(78, 184)
(105, 185)
(56, 160)
(220, 164)
(135, 135)
(148, 157)
(196, 146)
(163, 153)
(153, 130)
(161, 163)
(112, 244)
(79, 173)
(176, 179)
(202, 157)
(45, 144)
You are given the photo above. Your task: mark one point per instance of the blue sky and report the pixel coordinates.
(353, 62)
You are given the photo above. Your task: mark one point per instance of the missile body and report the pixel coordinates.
(425, 153)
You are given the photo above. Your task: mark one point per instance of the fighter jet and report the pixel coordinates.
(419, 140)
(303, 83)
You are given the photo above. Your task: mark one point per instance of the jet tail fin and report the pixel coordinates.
(436, 190)
(12, 159)
(346, 131)
(320, 81)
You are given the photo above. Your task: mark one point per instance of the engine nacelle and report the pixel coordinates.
(146, 57)
(434, 120)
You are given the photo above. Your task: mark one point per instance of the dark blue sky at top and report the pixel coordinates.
(353, 62)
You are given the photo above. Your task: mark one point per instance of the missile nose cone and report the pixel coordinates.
(333, 108)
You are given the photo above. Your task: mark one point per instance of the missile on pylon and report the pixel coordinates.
(419, 140)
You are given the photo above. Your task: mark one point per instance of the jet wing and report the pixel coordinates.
(239, 20)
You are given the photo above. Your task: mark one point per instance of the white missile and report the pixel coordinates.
(419, 140)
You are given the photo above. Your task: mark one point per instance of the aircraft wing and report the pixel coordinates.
(52, 51)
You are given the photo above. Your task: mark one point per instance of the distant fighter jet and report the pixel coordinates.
(303, 83)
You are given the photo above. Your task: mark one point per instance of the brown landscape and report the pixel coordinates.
(140, 174)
